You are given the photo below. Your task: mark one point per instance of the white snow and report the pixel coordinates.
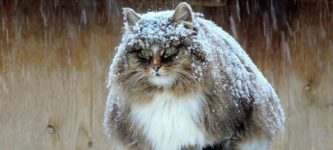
(156, 27)
(112, 100)
(221, 51)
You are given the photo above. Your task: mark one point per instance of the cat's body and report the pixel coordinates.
(180, 82)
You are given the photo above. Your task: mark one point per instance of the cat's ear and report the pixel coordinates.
(183, 14)
(130, 16)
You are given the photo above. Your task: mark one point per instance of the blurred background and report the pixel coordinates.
(55, 55)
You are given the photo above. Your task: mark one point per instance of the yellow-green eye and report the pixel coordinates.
(170, 52)
(144, 53)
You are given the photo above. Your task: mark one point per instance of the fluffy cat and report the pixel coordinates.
(179, 82)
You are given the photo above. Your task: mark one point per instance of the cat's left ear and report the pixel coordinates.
(130, 17)
(183, 14)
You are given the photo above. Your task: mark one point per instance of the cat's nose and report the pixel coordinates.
(156, 67)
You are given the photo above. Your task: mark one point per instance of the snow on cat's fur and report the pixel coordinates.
(178, 81)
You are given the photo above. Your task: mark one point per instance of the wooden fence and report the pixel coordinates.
(54, 59)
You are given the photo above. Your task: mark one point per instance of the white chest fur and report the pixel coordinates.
(170, 123)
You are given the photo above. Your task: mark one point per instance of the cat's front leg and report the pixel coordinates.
(116, 144)
(253, 143)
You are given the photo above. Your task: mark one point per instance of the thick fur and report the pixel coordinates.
(185, 108)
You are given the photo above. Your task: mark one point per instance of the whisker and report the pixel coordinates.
(184, 80)
(137, 79)
(186, 74)
(134, 78)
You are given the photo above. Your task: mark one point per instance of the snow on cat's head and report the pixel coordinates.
(158, 48)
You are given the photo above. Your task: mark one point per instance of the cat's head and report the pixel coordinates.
(159, 49)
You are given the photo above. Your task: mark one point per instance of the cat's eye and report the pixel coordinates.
(170, 52)
(144, 53)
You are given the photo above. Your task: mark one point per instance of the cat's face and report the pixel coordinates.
(162, 66)
(158, 52)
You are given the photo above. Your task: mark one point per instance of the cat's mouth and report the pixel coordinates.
(160, 79)
(157, 74)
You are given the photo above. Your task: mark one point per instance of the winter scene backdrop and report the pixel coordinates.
(55, 57)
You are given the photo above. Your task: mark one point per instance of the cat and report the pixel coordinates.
(179, 82)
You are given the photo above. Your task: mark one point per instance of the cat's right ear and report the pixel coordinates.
(130, 17)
